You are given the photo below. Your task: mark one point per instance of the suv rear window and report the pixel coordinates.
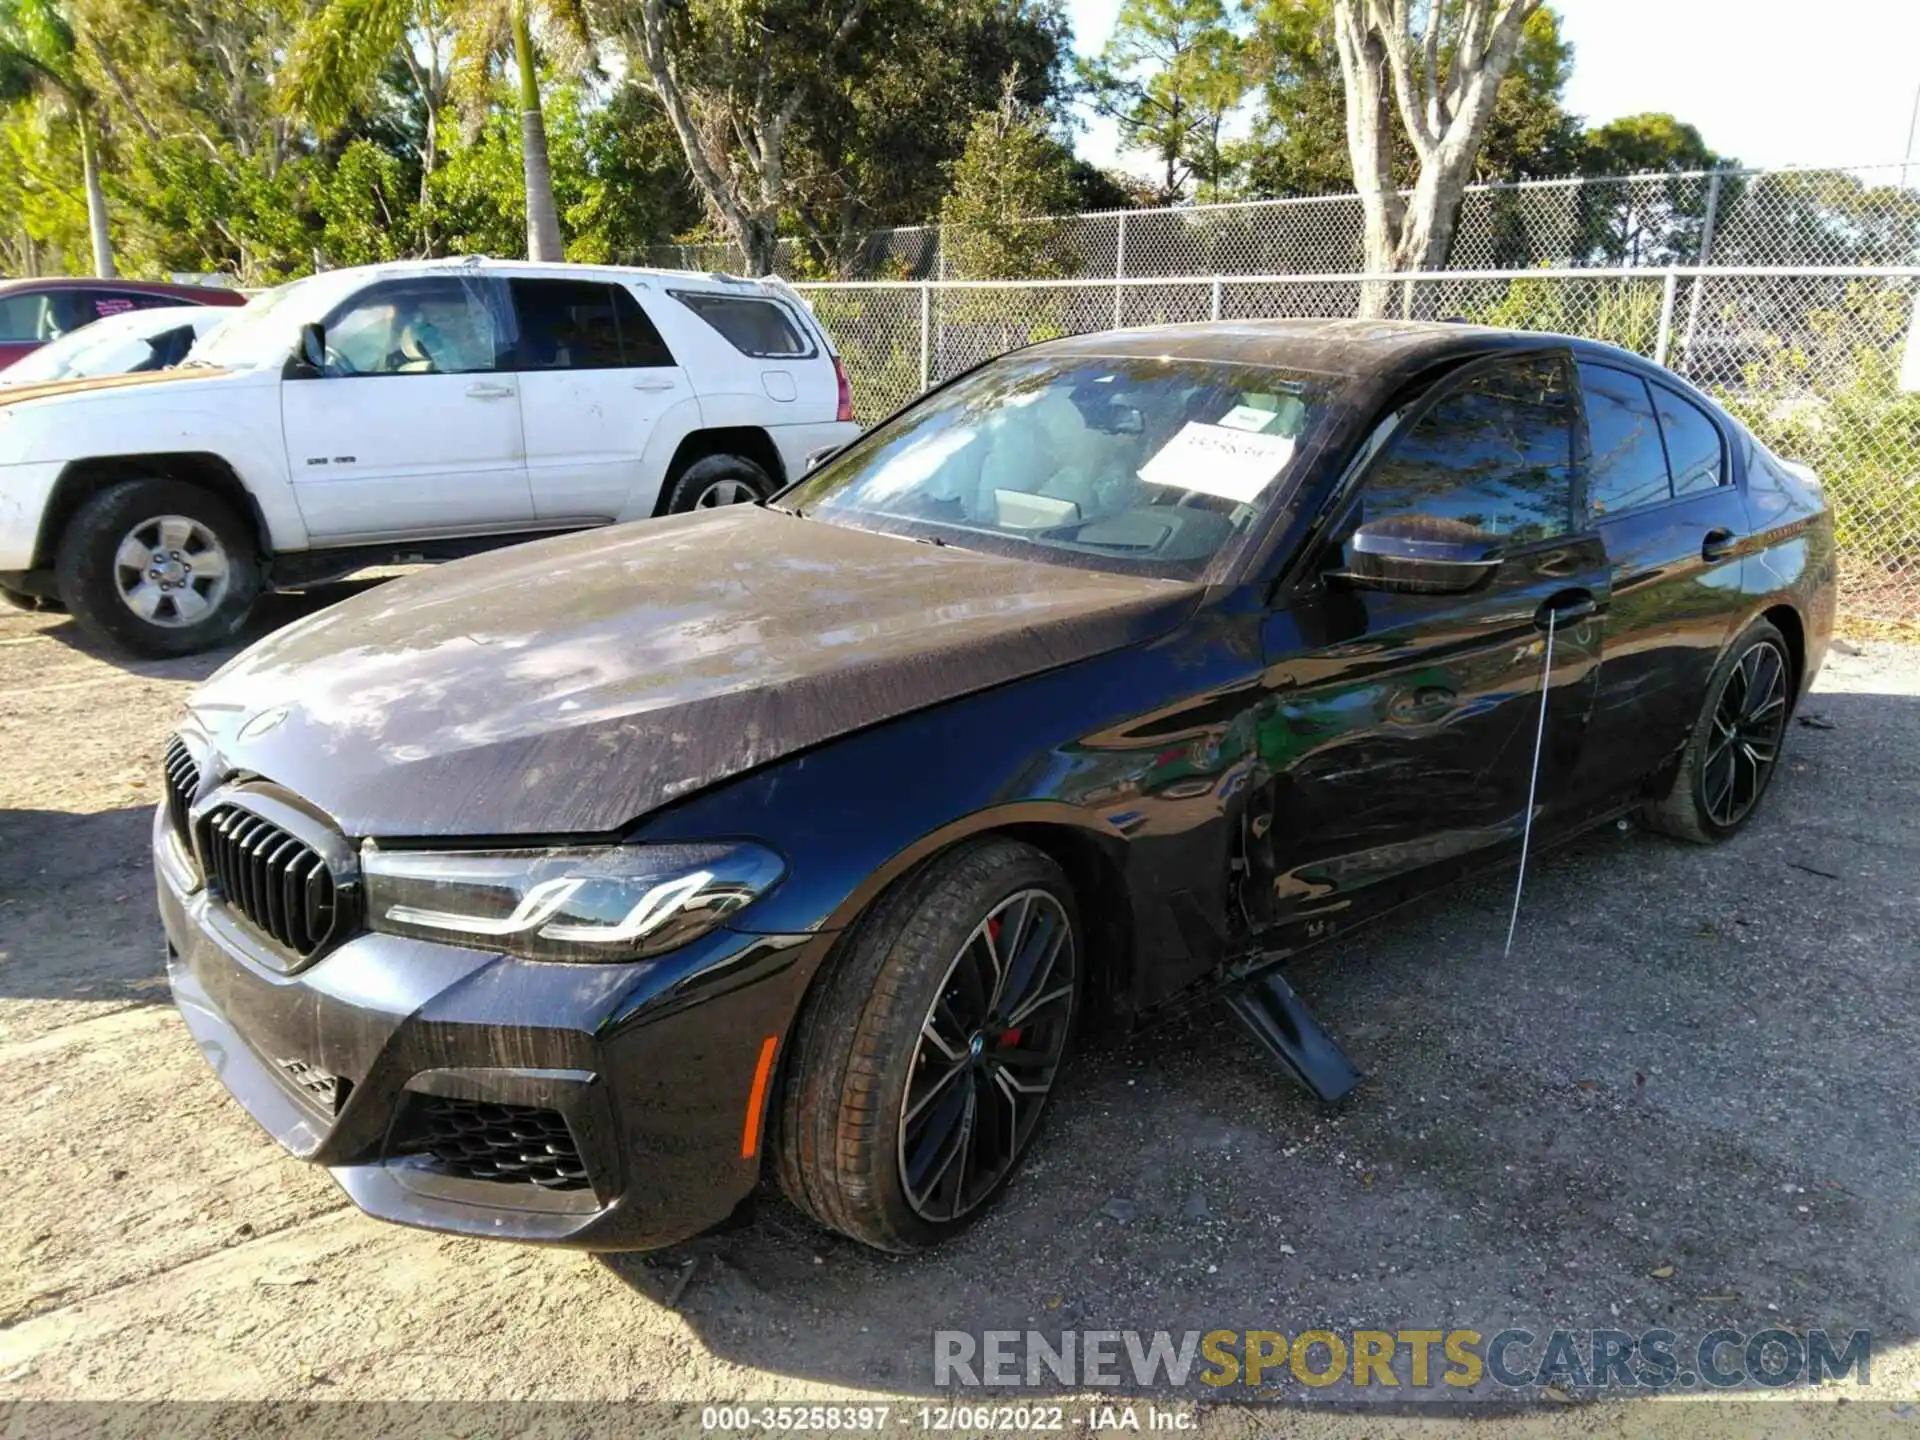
(583, 325)
(764, 329)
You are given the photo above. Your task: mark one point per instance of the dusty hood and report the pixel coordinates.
(572, 685)
(16, 394)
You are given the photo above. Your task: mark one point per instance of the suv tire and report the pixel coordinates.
(201, 571)
(716, 480)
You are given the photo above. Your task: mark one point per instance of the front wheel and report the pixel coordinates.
(158, 567)
(1735, 745)
(923, 1061)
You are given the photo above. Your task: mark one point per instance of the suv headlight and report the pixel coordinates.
(614, 902)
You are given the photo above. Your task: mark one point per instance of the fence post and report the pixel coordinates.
(1216, 297)
(926, 333)
(1706, 252)
(1119, 267)
(1661, 341)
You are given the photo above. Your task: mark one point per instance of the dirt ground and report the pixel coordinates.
(1685, 1100)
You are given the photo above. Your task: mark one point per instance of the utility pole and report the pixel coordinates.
(1913, 124)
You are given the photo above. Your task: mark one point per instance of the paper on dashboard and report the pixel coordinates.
(1215, 460)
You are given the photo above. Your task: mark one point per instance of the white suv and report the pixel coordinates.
(403, 412)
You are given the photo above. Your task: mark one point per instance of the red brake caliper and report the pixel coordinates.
(1007, 1037)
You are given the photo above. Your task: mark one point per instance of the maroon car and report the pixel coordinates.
(33, 312)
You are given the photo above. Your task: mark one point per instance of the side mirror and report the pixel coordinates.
(1419, 555)
(817, 458)
(309, 360)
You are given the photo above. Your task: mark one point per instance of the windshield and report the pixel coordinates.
(1149, 465)
(263, 332)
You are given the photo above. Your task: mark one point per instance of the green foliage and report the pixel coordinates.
(368, 207)
(1299, 142)
(1013, 177)
(1621, 312)
(1829, 397)
(1170, 74)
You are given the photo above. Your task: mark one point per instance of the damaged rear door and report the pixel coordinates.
(1404, 669)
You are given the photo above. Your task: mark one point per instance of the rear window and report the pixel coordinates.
(1693, 443)
(583, 325)
(764, 329)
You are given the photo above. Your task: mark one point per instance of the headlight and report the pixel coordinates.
(616, 902)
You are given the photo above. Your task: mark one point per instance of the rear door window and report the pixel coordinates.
(1695, 455)
(764, 329)
(583, 325)
(1626, 464)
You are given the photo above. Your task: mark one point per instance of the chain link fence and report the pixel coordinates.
(1812, 360)
(1863, 215)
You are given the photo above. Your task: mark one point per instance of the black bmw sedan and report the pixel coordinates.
(566, 893)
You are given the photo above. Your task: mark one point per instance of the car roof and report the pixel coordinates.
(187, 294)
(562, 269)
(1328, 346)
(1374, 358)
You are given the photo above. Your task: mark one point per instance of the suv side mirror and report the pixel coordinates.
(1419, 555)
(309, 358)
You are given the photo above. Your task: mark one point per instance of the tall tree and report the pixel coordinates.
(1391, 54)
(39, 58)
(1646, 221)
(829, 118)
(1169, 74)
(733, 76)
(345, 47)
(1001, 219)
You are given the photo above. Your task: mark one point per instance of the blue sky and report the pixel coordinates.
(1763, 80)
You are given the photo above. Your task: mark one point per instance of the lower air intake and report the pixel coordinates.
(510, 1144)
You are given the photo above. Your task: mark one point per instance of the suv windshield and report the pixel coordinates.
(264, 331)
(1143, 464)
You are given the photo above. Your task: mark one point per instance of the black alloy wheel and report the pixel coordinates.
(1734, 748)
(1749, 723)
(989, 1050)
(920, 1068)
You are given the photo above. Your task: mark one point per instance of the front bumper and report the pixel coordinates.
(24, 492)
(649, 1068)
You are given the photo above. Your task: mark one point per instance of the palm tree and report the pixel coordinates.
(38, 53)
(345, 44)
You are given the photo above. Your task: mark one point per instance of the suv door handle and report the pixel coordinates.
(1564, 609)
(660, 383)
(1718, 543)
(490, 392)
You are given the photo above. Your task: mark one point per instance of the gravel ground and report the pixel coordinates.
(1684, 1101)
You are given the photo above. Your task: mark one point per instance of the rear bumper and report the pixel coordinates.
(638, 1076)
(797, 442)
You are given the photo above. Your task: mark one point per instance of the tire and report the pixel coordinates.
(845, 1141)
(188, 611)
(1735, 742)
(702, 484)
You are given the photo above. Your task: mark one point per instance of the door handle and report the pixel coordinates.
(660, 384)
(490, 392)
(1718, 543)
(1564, 609)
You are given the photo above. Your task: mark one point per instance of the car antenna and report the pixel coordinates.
(1533, 783)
